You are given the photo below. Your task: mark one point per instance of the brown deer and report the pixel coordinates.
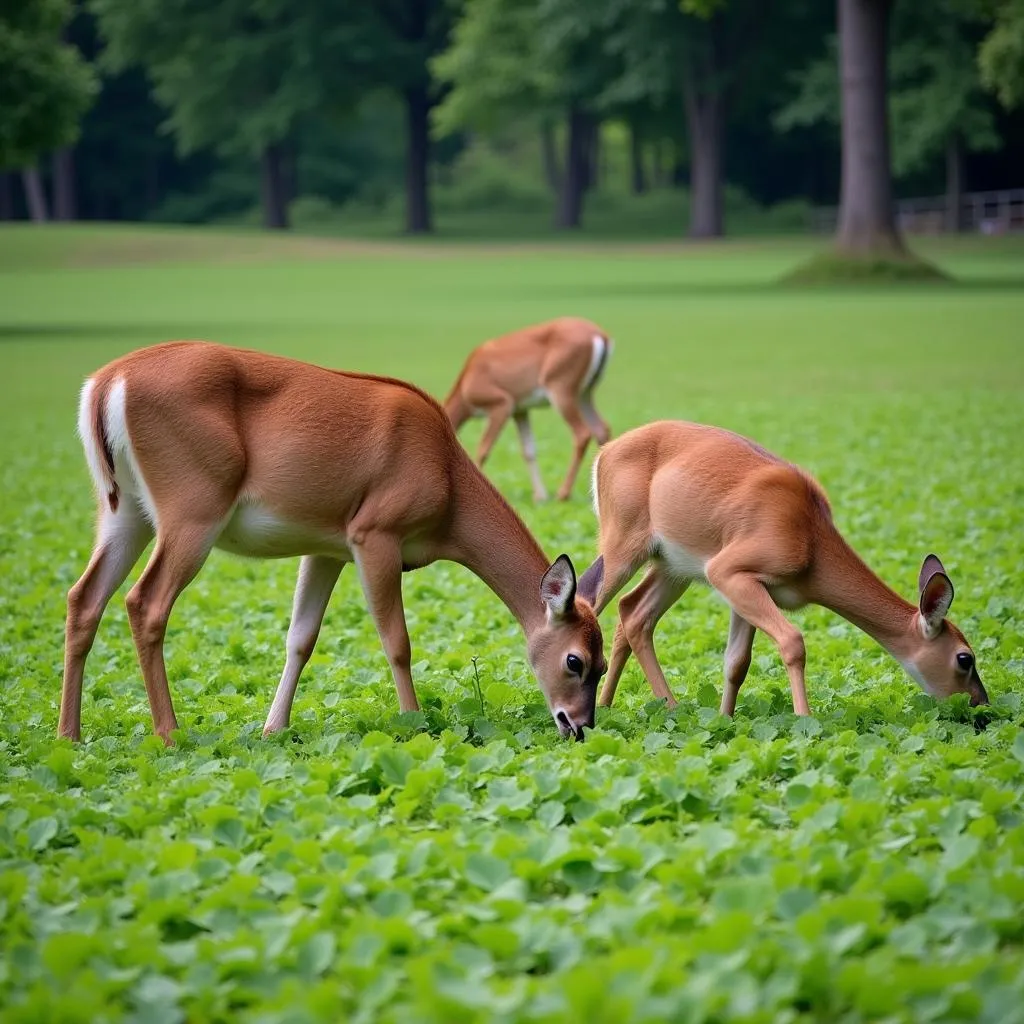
(701, 503)
(556, 363)
(207, 446)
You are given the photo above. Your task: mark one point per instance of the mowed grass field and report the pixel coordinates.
(866, 864)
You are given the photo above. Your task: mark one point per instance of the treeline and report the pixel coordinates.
(199, 110)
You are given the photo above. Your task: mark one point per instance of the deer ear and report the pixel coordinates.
(591, 580)
(929, 567)
(558, 587)
(936, 597)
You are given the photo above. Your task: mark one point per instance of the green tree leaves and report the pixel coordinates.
(45, 86)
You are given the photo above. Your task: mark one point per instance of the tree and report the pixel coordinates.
(527, 59)
(45, 88)
(238, 76)
(419, 31)
(1001, 55)
(936, 104)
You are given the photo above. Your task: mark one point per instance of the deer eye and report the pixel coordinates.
(574, 664)
(965, 660)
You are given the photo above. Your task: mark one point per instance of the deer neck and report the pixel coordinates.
(490, 540)
(844, 584)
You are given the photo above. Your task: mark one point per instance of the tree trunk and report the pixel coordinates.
(866, 220)
(705, 111)
(954, 184)
(549, 156)
(417, 160)
(35, 196)
(6, 196)
(570, 203)
(592, 158)
(275, 203)
(637, 174)
(65, 206)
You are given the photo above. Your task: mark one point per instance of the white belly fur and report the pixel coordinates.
(255, 531)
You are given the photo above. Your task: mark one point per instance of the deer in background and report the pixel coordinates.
(701, 503)
(208, 446)
(556, 363)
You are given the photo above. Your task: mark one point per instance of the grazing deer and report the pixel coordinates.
(557, 363)
(701, 503)
(208, 446)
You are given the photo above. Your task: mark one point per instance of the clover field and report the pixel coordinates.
(463, 863)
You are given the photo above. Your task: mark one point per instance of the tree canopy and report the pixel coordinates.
(45, 85)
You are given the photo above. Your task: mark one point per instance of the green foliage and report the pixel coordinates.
(935, 92)
(234, 75)
(1001, 57)
(45, 85)
(863, 865)
(498, 65)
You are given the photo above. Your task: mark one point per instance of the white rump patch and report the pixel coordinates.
(682, 564)
(593, 486)
(598, 349)
(93, 456)
(126, 465)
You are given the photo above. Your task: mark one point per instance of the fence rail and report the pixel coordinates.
(988, 213)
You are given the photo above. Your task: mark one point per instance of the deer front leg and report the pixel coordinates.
(620, 655)
(378, 557)
(737, 660)
(639, 612)
(748, 598)
(530, 454)
(317, 577)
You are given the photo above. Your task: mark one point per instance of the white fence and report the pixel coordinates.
(988, 213)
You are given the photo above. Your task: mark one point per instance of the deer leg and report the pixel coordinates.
(176, 559)
(639, 612)
(737, 660)
(379, 560)
(530, 454)
(121, 537)
(620, 654)
(569, 408)
(317, 577)
(497, 415)
(601, 431)
(747, 596)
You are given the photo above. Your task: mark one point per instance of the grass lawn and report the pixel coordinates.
(464, 864)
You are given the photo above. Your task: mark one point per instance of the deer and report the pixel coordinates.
(556, 363)
(699, 503)
(205, 446)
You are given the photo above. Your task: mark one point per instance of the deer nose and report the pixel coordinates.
(977, 691)
(566, 725)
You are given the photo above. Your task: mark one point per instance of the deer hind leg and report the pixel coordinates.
(737, 659)
(601, 431)
(568, 406)
(378, 557)
(747, 596)
(317, 577)
(121, 537)
(639, 613)
(178, 556)
(529, 447)
(499, 410)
